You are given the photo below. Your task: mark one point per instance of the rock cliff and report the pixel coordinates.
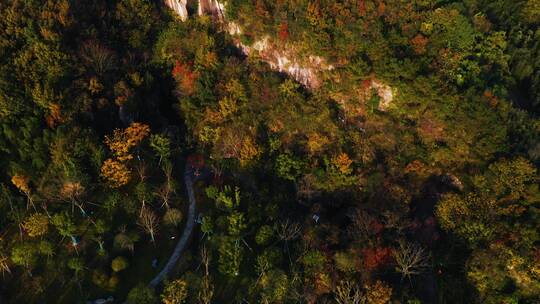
(213, 8)
(305, 69)
(179, 6)
(285, 58)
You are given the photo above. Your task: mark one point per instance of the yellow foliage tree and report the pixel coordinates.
(123, 140)
(115, 173)
(316, 143)
(36, 225)
(114, 170)
(248, 151)
(175, 292)
(378, 293)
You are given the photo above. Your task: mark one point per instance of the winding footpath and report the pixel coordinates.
(180, 246)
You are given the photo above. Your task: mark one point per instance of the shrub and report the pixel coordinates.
(119, 263)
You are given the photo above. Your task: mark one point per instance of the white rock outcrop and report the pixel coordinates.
(179, 6)
(282, 59)
(285, 58)
(213, 8)
(385, 93)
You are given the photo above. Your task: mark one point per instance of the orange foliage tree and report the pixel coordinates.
(419, 44)
(115, 173)
(21, 182)
(343, 163)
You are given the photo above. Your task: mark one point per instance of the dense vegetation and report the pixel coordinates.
(305, 195)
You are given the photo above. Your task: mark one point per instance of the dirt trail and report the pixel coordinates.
(181, 245)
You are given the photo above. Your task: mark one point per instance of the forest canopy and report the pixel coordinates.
(270, 151)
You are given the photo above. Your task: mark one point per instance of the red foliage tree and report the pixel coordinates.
(419, 43)
(362, 8)
(381, 9)
(376, 257)
(283, 32)
(185, 77)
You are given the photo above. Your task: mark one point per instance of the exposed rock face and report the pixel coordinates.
(385, 94)
(283, 58)
(179, 6)
(286, 61)
(213, 8)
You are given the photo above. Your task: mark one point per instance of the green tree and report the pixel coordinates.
(77, 265)
(230, 256)
(289, 167)
(24, 254)
(64, 224)
(161, 144)
(142, 294)
(137, 17)
(264, 235)
(498, 211)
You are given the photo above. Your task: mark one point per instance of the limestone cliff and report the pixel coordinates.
(284, 57)
(304, 68)
(179, 6)
(213, 8)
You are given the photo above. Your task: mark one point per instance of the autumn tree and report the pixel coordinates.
(347, 292)
(115, 173)
(72, 191)
(149, 221)
(36, 225)
(172, 217)
(22, 183)
(175, 292)
(125, 239)
(4, 264)
(343, 163)
(115, 170)
(288, 231)
(377, 293)
(411, 259)
(122, 141)
(206, 292)
(166, 191)
(119, 263)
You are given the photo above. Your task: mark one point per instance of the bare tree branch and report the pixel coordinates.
(411, 259)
